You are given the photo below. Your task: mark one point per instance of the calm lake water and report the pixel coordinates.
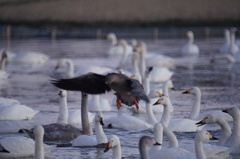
(219, 83)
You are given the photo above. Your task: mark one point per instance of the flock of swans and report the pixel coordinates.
(141, 80)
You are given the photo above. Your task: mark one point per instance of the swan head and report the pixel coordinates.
(99, 118)
(189, 34)
(162, 100)
(62, 93)
(111, 36)
(169, 84)
(148, 141)
(38, 130)
(154, 94)
(140, 47)
(194, 91)
(209, 119)
(204, 136)
(61, 62)
(234, 111)
(113, 141)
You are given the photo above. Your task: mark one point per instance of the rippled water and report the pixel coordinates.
(219, 83)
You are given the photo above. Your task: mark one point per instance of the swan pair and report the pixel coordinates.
(230, 45)
(20, 147)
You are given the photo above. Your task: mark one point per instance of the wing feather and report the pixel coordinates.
(90, 83)
(138, 91)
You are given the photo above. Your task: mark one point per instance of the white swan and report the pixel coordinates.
(225, 128)
(29, 58)
(204, 151)
(3, 73)
(116, 49)
(19, 147)
(72, 116)
(13, 126)
(158, 74)
(234, 139)
(135, 68)
(190, 48)
(176, 124)
(16, 112)
(8, 101)
(233, 46)
(99, 138)
(195, 112)
(225, 48)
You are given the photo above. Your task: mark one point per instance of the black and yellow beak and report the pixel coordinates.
(158, 102)
(202, 122)
(101, 121)
(226, 110)
(160, 94)
(187, 91)
(211, 137)
(157, 144)
(109, 145)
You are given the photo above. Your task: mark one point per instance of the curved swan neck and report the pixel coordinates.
(227, 36)
(136, 70)
(87, 130)
(190, 39)
(114, 39)
(70, 72)
(101, 137)
(173, 142)
(143, 61)
(199, 149)
(158, 136)
(165, 88)
(116, 151)
(196, 106)
(226, 131)
(150, 116)
(3, 63)
(124, 56)
(63, 111)
(166, 117)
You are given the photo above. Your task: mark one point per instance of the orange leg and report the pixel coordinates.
(118, 103)
(136, 103)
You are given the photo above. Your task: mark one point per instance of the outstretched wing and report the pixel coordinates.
(138, 91)
(90, 83)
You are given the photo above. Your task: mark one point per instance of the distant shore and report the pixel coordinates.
(120, 13)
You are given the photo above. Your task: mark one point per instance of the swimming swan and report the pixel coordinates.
(94, 140)
(190, 48)
(19, 146)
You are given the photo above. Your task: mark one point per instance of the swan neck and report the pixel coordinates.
(150, 116)
(173, 142)
(39, 152)
(70, 68)
(190, 40)
(101, 137)
(143, 151)
(114, 40)
(166, 117)
(63, 111)
(3, 64)
(117, 152)
(236, 124)
(165, 89)
(199, 150)
(196, 106)
(143, 62)
(124, 56)
(96, 102)
(136, 70)
(226, 131)
(87, 130)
